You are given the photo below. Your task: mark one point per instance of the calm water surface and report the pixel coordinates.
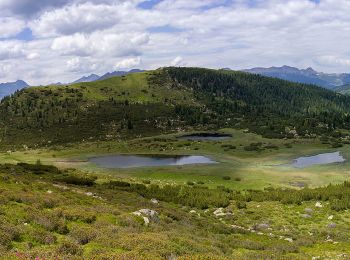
(324, 158)
(132, 161)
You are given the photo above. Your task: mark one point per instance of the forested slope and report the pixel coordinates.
(169, 99)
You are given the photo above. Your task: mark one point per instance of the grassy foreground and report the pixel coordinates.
(81, 211)
(50, 214)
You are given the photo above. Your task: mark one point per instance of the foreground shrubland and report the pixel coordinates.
(48, 213)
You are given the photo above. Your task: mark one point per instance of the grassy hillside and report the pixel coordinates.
(345, 89)
(48, 214)
(166, 100)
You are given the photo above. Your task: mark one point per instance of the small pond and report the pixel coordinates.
(205, 137)
(324, 158)
(133, 161)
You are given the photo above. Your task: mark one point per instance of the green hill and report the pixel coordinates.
(166, 100)
(345, 89)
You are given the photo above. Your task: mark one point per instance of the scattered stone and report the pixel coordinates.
(49, 191)
(330, 217)
(289, 239)
(261, 226)
(193, 212)
(220, 212)
(305, 216)
(89, 194)
(318, 205)
(332, 225)
(172, 256)
(148, 215)
(309, 211)
(154, 201)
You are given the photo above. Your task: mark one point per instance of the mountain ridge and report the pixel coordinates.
(307, 76)
(168, 99)
(9, 88)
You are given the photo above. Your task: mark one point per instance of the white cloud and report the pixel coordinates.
(128, 63)
(81, 18)
(4, 70)
(11, 50)
(74, 37)
(32, 56)
(333, 61)
(10, 26)
(78, 65)
(178, 61)
(100, 44)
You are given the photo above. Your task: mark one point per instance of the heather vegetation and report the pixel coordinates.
(43, 216)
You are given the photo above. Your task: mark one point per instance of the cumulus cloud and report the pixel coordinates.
(32, 56)
(128, 63)
(78, 65)
(100, 44)
(4, 70)
(333, 60)
(11, 50)
(81, 36)
(10, 26)
(178, 61)
(82, 18)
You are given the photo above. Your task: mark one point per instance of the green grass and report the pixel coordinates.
(44, 218)
(247, 169)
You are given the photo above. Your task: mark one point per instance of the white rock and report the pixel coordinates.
(330, 217)
(148, 215)
(146, 220)
(289, 239)
(49, 191)
(154, 201)
(318, 205)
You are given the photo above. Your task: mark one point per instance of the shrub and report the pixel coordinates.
(38, 168)
(69, 248)
(78, 180)
(226, 178)
(241, 204)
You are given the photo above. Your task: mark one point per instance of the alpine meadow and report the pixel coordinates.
(170, 129)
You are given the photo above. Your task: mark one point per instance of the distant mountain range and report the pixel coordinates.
(94, 77)
(344, 89)
(11, 87)
(337, 82)
(308, 76)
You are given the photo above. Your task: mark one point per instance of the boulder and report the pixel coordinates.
(331, 225)
(261, 226)
(309, 211)
(148, 215)
(154, 201)
(305, 216)
(220, 212)
(318, 205)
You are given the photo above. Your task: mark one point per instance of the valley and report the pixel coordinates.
(177, 163)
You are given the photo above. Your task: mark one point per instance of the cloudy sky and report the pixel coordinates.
(60, 40)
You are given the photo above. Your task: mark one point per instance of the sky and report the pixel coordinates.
(50, 41)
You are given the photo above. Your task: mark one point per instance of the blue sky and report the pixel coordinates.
(60, 40)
